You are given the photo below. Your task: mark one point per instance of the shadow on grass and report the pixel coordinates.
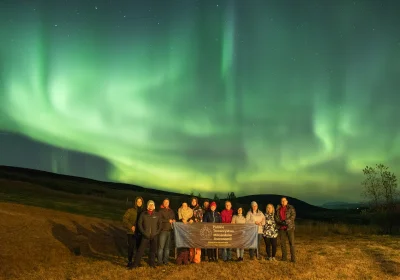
(387, 266)
(101, 242)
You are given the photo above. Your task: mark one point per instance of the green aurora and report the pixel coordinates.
(209, 96)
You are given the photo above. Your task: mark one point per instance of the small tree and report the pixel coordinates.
(199, 196)
(231, 196)
(380, 188)
(216, 198)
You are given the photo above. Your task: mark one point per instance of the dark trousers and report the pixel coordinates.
(152, 243)
(212, 254)
(283, 235)
(253, 252)
(270, 242)
(131, 246)
(203, 254)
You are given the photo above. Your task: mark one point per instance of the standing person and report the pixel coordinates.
(206, 207)
(195, 253)
(255, 216)
(212, 216)
(150, 227)
(285, 216)
(185, 215)
(239, 219)
(167, 216)
(270, 232)
(129, 220)
(226, 217)
(139, 205)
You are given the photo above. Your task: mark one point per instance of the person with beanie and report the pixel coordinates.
(255, 216)
(167, 216)
(150, 227)
(129, 221)
(212, 216)
(195, 253)
(239, 219)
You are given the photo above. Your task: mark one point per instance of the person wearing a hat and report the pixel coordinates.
(257, 217)
(150, 226)
(212, 216)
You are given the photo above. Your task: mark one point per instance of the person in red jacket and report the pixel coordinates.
(226, 217)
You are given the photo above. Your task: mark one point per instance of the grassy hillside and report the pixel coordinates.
(38, 243)
(19, 183)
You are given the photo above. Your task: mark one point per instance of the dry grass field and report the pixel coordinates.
(38, 243)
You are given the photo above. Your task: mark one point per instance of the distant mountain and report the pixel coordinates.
(264, 199)
(83, 186)
(343, 205)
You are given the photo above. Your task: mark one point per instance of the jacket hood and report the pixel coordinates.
(135, 206)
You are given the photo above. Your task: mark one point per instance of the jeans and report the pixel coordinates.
(226, 254)
(163, 247)
(253, 252)
(270, 242)
(240, 253)
(289, 234)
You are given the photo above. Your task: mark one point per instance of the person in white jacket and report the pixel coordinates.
(239, 219)
(257, 217)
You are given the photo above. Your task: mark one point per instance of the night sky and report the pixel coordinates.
(281, 97)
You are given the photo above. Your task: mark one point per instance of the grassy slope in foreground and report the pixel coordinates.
(39, 243)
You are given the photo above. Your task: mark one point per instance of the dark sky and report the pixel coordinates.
(281, 97)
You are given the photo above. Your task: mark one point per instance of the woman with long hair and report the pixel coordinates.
(270, 232)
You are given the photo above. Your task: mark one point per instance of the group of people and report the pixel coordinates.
(148, 228)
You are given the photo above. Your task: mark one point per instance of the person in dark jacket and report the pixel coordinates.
(130, 220)
(150, 227)
(212, 216)
(167, 218)
(285, 216)
(205, 208)
(139, 205)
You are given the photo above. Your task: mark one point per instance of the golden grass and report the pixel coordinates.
(39, 243)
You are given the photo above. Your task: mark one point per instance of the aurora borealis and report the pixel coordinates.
(257, 96)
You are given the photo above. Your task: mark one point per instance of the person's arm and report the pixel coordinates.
(164, 216)
(263, 220)
(140, 225)
(127, 220)
(292, 215)
(233, 219)
(159, 223)
(180, 215)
